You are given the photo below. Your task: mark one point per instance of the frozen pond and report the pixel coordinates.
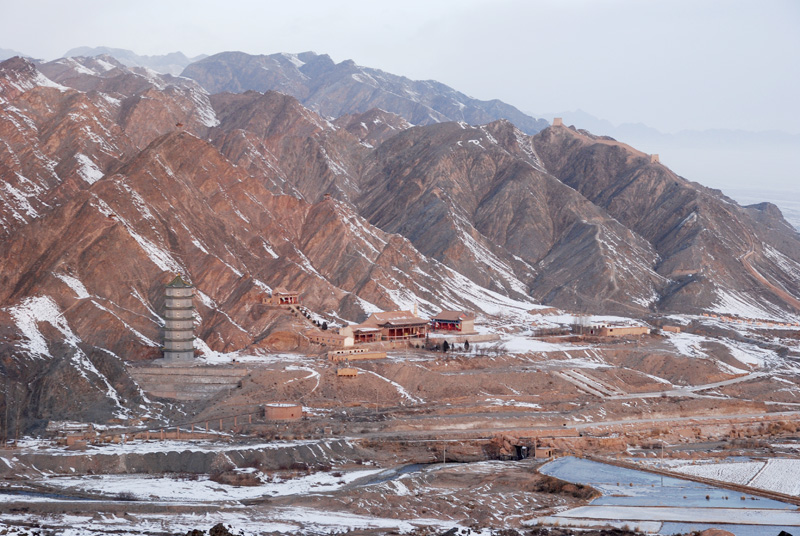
(682, 505)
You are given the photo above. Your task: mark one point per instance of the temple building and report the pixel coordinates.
(281, 296)
(454, 321)
(388, 326)
(179, 320)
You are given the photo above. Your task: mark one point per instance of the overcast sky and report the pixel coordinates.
(671, 64)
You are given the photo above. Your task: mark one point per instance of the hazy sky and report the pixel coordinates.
(671, 64)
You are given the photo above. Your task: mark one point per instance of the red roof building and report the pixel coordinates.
(454, 321)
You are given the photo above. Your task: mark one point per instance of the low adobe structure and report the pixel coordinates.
(618, 330)
(329, 338)
(347, 372)
(355, 354)
(388, 326)
(283, 412)
(454, 321)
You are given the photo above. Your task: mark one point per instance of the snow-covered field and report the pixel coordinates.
(39, 446)
(242, 521)
(687, 514)
(521, 344)
(178, 505)
(735, 473)
(775, 474)
(205, 490)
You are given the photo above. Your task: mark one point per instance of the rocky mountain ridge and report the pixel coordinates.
(114, 179)
(754, 163)
(335, 89)
(173, 63)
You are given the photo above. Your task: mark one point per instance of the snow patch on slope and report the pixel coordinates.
(203, 108)
(27, 316)
(33, 311)
(787, 265)
(19, 202)
(160, 257)
(75, 284)
(734, 303)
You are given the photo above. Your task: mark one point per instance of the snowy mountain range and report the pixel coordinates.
(115, 178)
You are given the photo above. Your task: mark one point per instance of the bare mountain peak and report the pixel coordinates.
(20, 70)
(18, 75)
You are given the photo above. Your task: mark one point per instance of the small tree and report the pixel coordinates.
(445, 346)
(466, 346)
(324, 326)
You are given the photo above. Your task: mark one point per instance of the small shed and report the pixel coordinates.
(347, 372)
(279, 411)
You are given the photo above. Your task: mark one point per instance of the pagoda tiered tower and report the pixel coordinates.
(179, 320)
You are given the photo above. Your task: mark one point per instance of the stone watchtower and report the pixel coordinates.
(179, 316)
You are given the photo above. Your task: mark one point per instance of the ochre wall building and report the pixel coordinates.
(283, 412)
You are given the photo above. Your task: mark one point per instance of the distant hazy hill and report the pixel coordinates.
(718, 158)
(6, 53)
(172, 63)
(335, 89)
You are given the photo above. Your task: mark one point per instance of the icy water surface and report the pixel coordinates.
(738, 530)
(628, 487)
(631, 488)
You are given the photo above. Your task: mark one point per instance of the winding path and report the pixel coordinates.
(745, 259)
(785, 296)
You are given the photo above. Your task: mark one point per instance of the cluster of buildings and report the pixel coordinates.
(396, 326)
(584, 325)
(385, 326)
